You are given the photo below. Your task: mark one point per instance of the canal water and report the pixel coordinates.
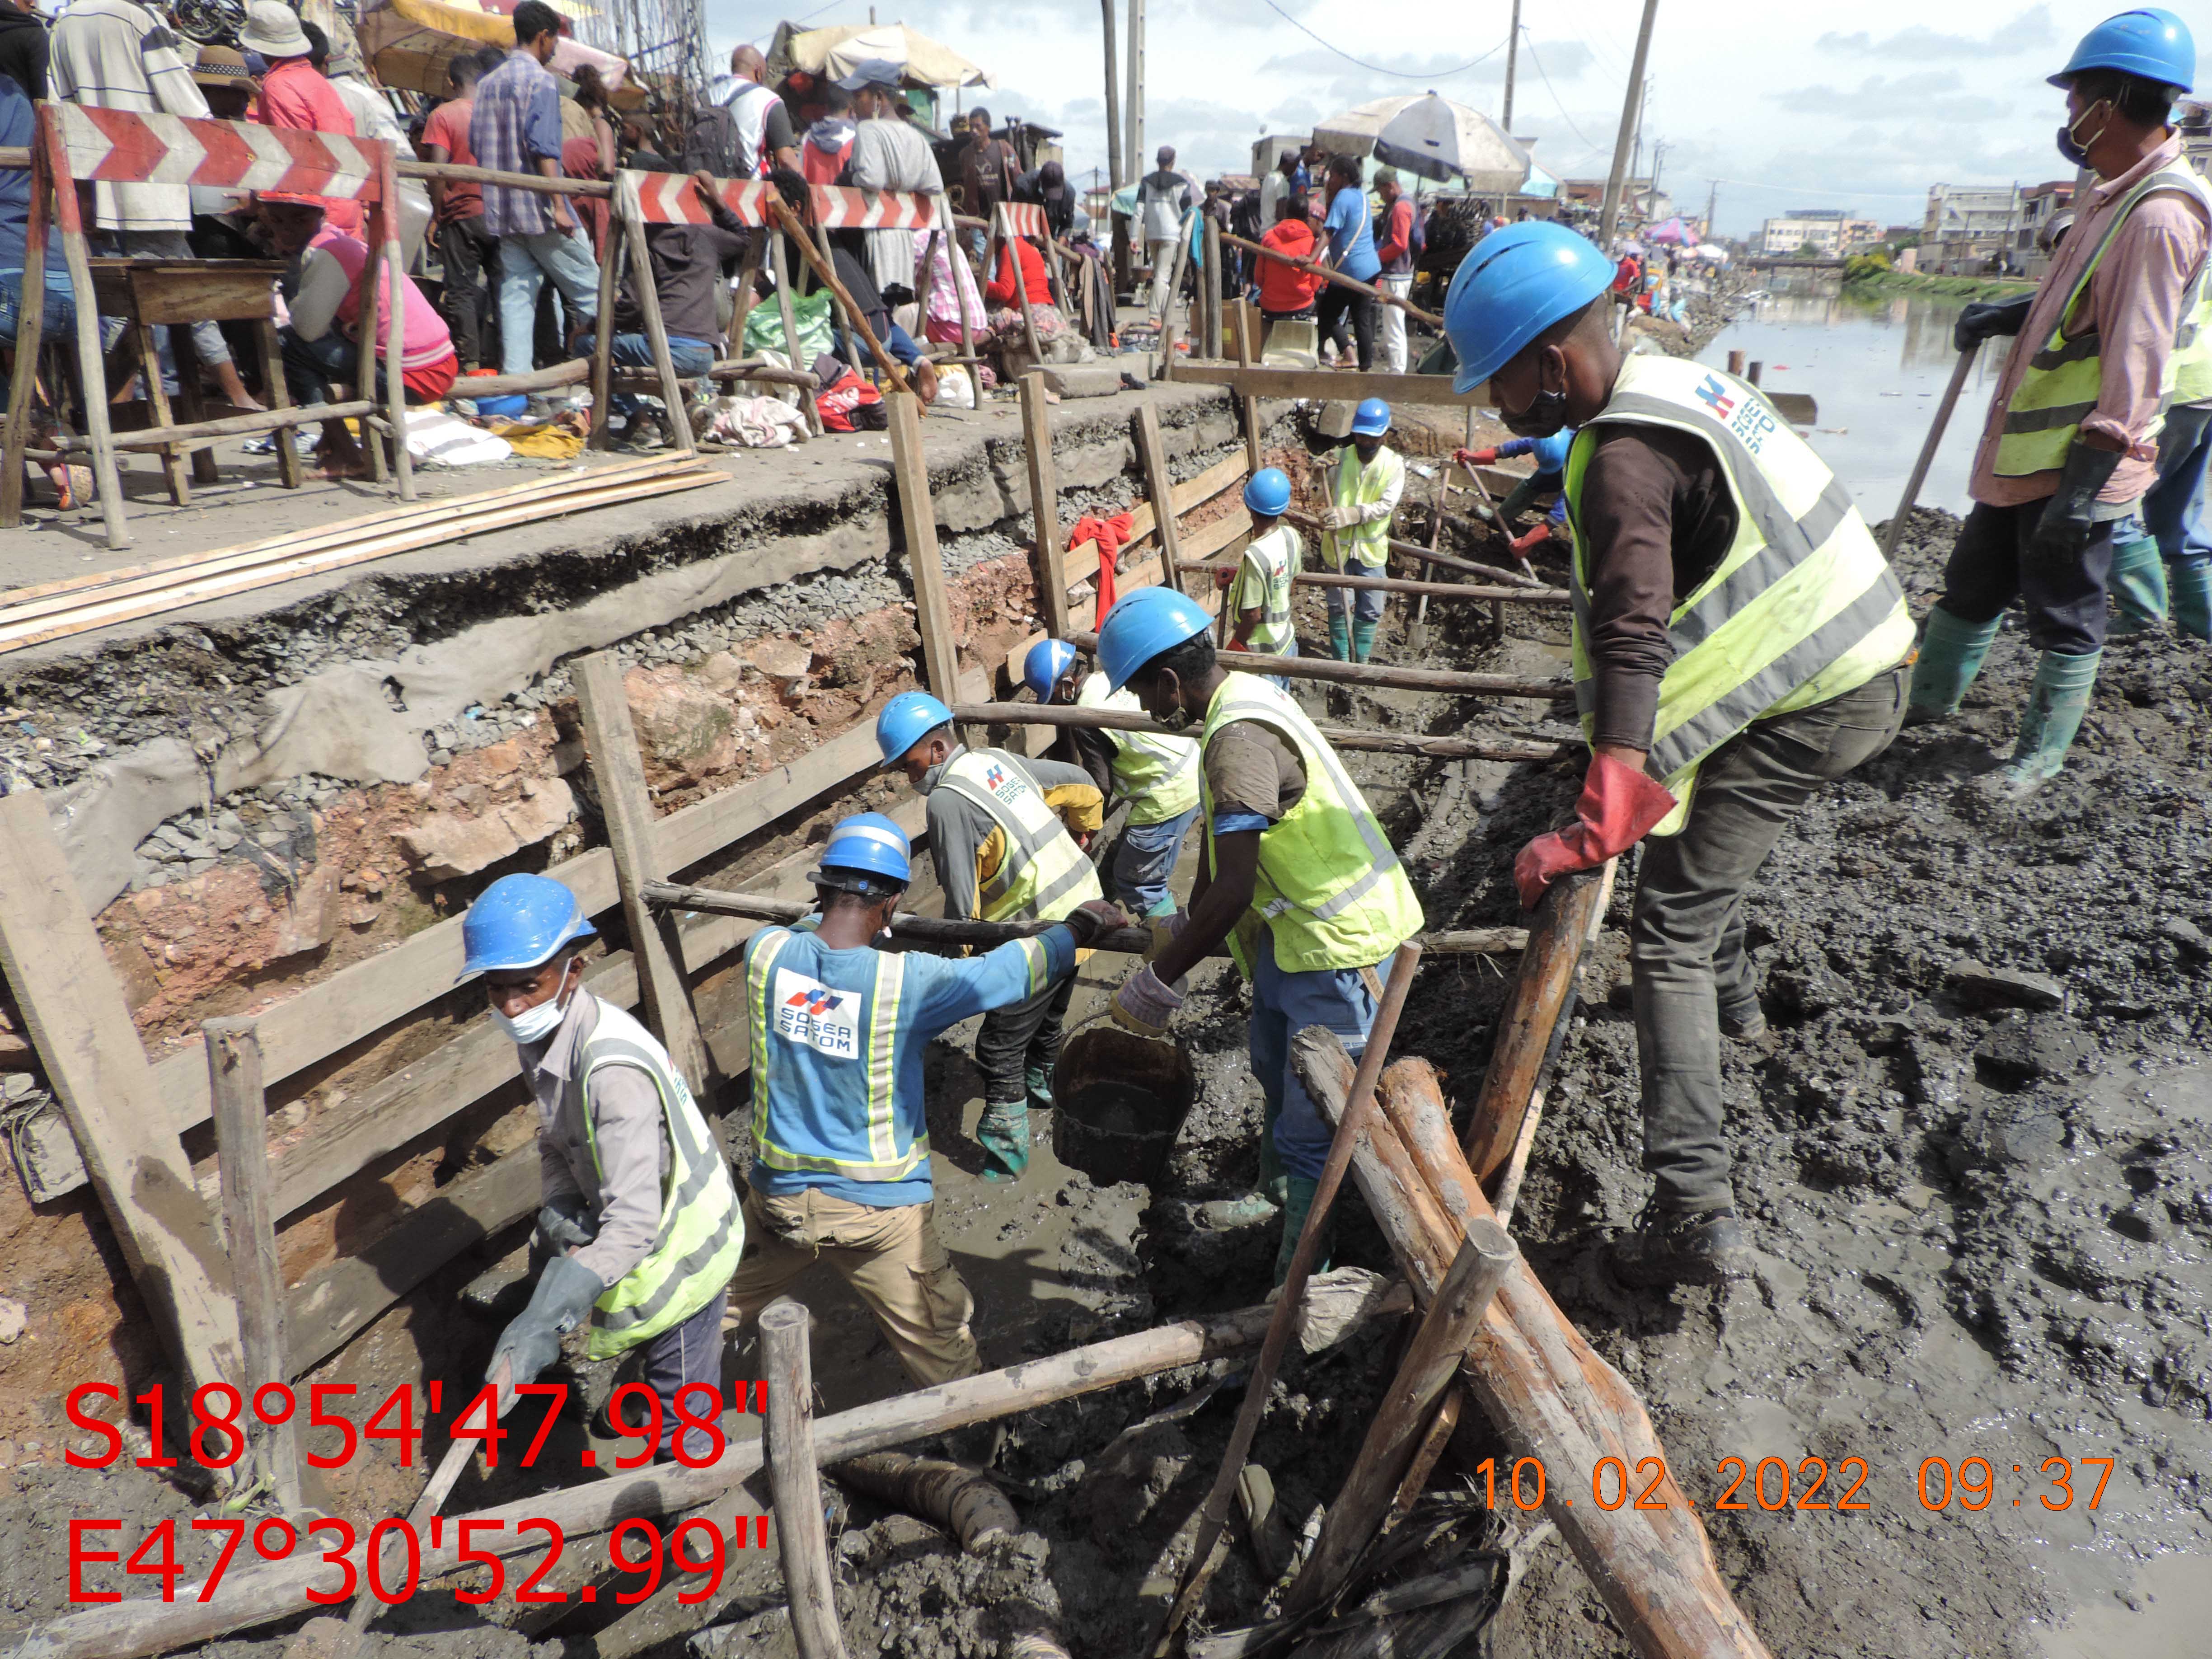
(1877, 368)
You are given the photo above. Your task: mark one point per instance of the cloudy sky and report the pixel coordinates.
(1783, 106)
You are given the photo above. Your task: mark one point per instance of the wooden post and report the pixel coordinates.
(1174, 297)
(780, 268)
(648, 301)
(241, 1142)
(1012, 241)
(1044, 507)
(1241, 327)
(602, 324)
(801, 1535)
(618, 770)
(827, 273)
(932, 606)
(1735, 364)
(1160, 486)
(1542, 993)
(51, 178)
(30, 329)
(1486, 1256)
(82, 1030)
(387, 214)
(1211, 287)
(1753, 372)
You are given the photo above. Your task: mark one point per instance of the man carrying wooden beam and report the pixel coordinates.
(1298, 876)
(1371, 477)
(1736, 629)
(841, 1131)
(1157, 776)
(1003, 835)
(640, 1231)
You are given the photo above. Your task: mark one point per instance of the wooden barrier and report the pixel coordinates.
(1333, 384)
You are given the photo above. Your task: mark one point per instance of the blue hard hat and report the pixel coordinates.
(906, 720)
(1371, 419)
(1513, 285)
(520, 921)
(2151, 43)
(1142, 625)
(871, 844)
(1046, 666)
(1268, 492)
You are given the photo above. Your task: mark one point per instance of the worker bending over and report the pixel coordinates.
(1355, 540)
(1260, 593)
(840, 1172)
(1157, 775)
(1002, 834)
(1548, 480)
(1739, 641)
(2070, 443)
(1298, 876)
(638, 1228)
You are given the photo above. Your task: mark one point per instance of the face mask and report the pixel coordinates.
(2072, 148)
(1546, 414)
(535, 1024)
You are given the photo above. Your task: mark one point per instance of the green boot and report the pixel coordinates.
(1340, 637)
(1168, 905)
(2190, 583)
(2138, 587)
(1297, 1204)
(2056, 702)
(1363, 640)
(1004, 1134)
(1951, 654)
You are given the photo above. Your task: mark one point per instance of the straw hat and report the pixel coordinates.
(273, 28)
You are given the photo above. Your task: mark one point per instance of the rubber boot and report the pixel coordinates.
(2056, 703)
(1340, 637)
(2138, 587)
(2190, 582)
(1297, 1204)
(1951, 654)
(1167, 906)
(1004, 1134)
(1363, 640)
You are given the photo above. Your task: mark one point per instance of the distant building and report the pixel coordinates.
(1818, 234)
(2039, 205)
(1966, 227)
(1638, 200)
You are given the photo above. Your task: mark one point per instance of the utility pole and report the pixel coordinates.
(1658, 155)
(1632, 117)
(1712, 201)
(1117, 227)
(1132, 165)
(1512, 60)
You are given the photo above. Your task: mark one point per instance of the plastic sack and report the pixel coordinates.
(764, 327)
(954, 389)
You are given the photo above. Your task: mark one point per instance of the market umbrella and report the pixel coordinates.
(1674, 231)
(1432, 137)
(840, 49)
(411, 41)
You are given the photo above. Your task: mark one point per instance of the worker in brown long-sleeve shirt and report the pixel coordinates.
(1739, 641)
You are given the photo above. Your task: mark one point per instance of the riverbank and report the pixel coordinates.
(1957, 288)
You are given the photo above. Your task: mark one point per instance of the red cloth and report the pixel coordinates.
(823, 166)
(1284, 287)
(292, 95)
(840, 405)
(1629, 274)
(1110, 534)
(429, 384)
(1002, 291)
(579, 159)
(1619, 806)
(448, 127)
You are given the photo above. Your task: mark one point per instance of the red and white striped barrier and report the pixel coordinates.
(118, 147)
(838, 207)
(670, 198)
(1020, 219)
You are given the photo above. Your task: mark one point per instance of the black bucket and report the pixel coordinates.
(1118, 1100)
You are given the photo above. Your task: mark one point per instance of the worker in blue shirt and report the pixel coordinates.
(1549, 478)
(1351, 233)
(840, 1169)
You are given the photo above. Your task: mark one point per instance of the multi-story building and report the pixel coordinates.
(2039, 205)
(1808, 233)
(1967, 227)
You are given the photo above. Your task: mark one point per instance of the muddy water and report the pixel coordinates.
(1878, 368)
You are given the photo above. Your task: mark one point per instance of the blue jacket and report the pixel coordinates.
(1551, 453)
(837, 1042)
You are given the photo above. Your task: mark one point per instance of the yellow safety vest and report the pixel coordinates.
(1044, 873)
(1364, 486)
(1156, 774)
(1330, 887)
(1268, 565)
(1802, 608)
(2065, 377)
(702, 1232)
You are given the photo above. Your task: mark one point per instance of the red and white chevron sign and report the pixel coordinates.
(119, 147)
(1021, 219)
(668, 198)
(838, 207)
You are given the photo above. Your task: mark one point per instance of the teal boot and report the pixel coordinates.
(1362, 640)
(2138, 587)
(2056, 703)
(2190, 581)
(1951, 654)
(1268, 1194)
(1004, 1134)
(1340, 637)
(1298, 1205)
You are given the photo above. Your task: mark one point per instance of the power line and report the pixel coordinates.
(1378, 69)
(1549, 87)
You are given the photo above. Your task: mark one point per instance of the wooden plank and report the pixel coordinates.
(1160, 487)
(82, 1031)
(1330, 385)
(1044, 502)
(932, 606)
(1224, 535)
(626, 804)
(242, 1134)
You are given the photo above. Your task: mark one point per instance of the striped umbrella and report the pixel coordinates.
(1432, 137)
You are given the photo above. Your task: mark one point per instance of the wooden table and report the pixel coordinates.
(177, 292)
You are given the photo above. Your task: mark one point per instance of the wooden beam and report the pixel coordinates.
(241, 1138)
(1343, 737)
(1044, 504)
(810, 1588)
(1372, 674)
(932, 606)
(626, 804)
(74, 1007)
(1398, 585)
(1333, 384)
(1160, 486)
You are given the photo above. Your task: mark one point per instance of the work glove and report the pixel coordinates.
(1144, 1005)
(1165, 931)
(1091, 917)
(1984, 318)
(1237, 645)
(1619, 806)
(1474, 457)
(2069, 520)
(563, 1300)
(1338, 517)
(566, 1225)
(1535, 538)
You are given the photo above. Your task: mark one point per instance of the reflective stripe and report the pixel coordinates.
(2042, 420)
(1275, 557)
(882, 1051)
(1365, 485)
(881, 837)
(1043, 867)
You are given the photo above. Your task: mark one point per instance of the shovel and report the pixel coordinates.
(1927, 449)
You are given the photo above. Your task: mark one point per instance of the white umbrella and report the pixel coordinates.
(1432, 137)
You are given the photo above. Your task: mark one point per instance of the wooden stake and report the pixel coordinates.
(241, 1141)
(1159, 485)
(780, 268)
(827, 273)
(932, 606)
(1508, 1185)
(1457, 1312)
(618, 770)
(1044, 505)
(801, 1535)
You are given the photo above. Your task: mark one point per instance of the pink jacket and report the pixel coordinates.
(424, 340)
